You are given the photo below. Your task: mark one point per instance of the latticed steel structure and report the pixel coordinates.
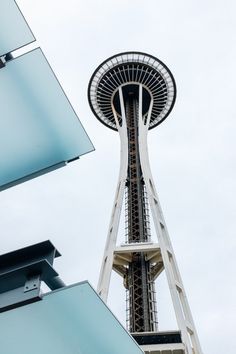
(131, 93)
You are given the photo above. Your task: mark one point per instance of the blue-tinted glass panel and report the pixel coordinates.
(73, 320)
(14, 31)
(39, 129)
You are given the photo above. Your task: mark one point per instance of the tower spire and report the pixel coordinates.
(133, 92)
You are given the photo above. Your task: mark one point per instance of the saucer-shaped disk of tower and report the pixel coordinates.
(128, 70)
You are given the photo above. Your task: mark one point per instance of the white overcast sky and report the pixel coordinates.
(192, 153)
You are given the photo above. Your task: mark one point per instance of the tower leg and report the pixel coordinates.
(107, 262)
(179, 298)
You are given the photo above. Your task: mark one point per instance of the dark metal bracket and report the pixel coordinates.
(21, 274)
(2, 62)
(4, 59)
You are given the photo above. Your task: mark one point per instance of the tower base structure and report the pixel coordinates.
(160, 342)
(132, 93)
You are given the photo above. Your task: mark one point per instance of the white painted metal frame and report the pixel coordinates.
(178, 295)
(107, 262)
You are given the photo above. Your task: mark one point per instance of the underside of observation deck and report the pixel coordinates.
(126, 69)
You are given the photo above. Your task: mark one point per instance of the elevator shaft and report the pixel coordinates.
(141, 296)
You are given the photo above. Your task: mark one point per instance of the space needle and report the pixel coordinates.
(131, 93)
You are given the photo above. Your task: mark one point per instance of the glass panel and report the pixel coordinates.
(39, 129)
(14, 31)
(73, 320)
